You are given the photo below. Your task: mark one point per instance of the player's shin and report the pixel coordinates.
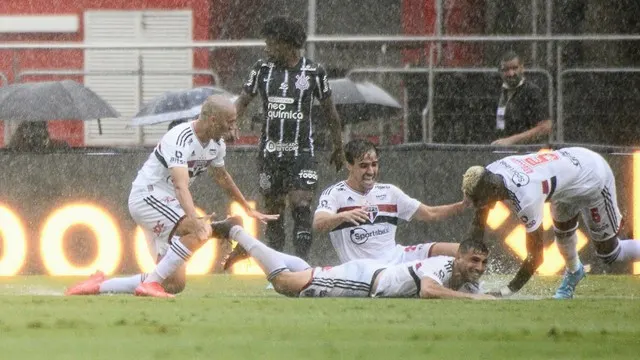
(123, 285)
(302, 237)
(567, 242)
(270, 261)
(177, 255)
(627, 250)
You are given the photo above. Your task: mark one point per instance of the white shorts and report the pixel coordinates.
(404, 254)
(157, 212)
(600, 211)
(351, 279)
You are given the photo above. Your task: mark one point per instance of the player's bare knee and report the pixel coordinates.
(174, 286)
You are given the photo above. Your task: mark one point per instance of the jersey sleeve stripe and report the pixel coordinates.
(182, 133)
(161, 159)
(415, 278)
(185, 138)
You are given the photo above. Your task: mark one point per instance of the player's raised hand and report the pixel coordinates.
(338, 159)
(263, 218)
(356, 216)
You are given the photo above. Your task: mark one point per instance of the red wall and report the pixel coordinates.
(461, 17)
(72, 131)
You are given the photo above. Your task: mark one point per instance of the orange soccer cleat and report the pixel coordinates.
(91, 286)
(152, 289)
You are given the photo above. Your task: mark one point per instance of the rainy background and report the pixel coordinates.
(583, 54)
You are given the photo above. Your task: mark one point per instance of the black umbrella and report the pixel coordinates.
(175, 105)
(361, 101)
(52, 100)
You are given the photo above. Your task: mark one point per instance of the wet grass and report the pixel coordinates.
(235, 317)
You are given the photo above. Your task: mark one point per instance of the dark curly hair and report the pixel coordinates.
(285, 29)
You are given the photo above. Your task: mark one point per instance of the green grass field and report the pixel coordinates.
(234, 317)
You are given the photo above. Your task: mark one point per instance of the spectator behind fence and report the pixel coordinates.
(33, 136)
(522, 115)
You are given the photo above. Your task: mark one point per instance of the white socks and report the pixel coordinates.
(271, 261)
(630, 251)
(123, 285)
(176, 256)
(569, 251)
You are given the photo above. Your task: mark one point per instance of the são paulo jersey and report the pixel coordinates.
(565, 176)
(375, 239)
(403, 280)
(179, 147)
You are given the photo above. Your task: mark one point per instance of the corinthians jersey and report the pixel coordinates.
(375, 239)
(179, 147)
(569, 176)
(287, 97)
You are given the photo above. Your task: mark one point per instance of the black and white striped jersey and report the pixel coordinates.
(179, 147)
(287, 99)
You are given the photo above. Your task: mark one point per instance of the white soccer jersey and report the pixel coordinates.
(574, 176)
(179, 147)
(403, 280)
(374, 239)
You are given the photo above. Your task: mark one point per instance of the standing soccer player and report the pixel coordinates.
(161, 203)
(288, 83)
(576, 181)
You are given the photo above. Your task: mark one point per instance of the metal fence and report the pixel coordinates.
(555, 92)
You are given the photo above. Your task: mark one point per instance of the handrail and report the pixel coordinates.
(427, 112)
(560, 90)
(320, 39)
(56, 72)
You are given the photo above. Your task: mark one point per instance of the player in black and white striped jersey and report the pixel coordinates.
(288, 85)
(161, 203)
(434, 277)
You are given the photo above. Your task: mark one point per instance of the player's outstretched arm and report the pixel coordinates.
(335, 126)
(242, 102)
(431, 289)
(222, 177)
(479, 223)
(324, 221)
(428, 213)
(535, 257)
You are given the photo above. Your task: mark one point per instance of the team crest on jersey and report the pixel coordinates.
(372, 211)
(158, 228)
(265, 181)
(302, 82)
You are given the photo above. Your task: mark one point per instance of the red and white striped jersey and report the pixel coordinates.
(375, 239)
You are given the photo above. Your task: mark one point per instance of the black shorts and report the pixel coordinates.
(281, 175)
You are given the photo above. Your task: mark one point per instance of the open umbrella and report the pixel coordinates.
(175, 105)
(52, 100)
(361, 101)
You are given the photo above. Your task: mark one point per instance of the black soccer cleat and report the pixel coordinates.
(237, 254)
(222, 228)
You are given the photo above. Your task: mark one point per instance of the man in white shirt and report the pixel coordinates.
(161, 203)
(439, 277)
(361, 214)
(576, 182)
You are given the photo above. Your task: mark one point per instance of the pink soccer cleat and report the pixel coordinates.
(152, 289)
(91, 286)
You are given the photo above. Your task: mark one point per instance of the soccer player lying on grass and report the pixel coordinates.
(576, 181)
(434, 277)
